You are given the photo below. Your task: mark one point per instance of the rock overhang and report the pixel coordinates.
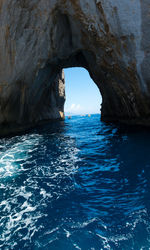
(39, 38)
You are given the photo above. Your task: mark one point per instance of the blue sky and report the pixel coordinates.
(82, 94)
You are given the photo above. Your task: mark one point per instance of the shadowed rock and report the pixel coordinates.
(38, 38)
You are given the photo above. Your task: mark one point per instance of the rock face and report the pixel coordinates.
(38, 38)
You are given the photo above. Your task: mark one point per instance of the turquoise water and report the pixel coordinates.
(77, 184)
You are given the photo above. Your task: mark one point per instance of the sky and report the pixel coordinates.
(82, 94)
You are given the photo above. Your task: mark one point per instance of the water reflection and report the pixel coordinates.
(75, 185)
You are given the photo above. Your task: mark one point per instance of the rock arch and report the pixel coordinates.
(41, 37)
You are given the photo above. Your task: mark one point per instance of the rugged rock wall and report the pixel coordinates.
(110, 38)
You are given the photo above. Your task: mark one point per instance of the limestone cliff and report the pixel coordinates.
(110, 38)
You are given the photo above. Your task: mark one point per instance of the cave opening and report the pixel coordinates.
(82, 94)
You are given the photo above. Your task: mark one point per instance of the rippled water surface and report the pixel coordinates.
(78, 184)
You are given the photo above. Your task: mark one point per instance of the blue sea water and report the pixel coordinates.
(77, 184)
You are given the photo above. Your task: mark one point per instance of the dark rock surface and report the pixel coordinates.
(38, 38)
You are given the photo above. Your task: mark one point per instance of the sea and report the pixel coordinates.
(76, 184)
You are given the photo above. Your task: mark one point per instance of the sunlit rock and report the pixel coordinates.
(38, 38)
